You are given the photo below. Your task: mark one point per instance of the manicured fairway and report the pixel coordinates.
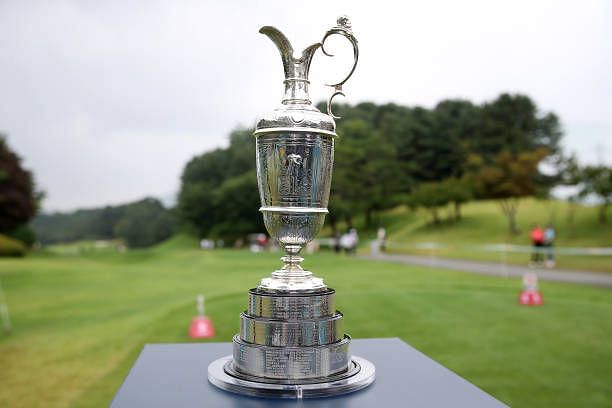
(81, 320)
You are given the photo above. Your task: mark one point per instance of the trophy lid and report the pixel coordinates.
(296, 111)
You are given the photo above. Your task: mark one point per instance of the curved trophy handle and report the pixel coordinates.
(343, 28)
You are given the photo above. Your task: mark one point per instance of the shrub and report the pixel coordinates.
(11, 247)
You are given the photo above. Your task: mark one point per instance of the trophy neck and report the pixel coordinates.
(296, 92)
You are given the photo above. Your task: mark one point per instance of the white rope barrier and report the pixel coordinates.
(583, 251)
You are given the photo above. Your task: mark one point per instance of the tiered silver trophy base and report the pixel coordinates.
(291, 345)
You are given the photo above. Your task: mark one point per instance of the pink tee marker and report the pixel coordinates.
(201, 326)
(530, 295)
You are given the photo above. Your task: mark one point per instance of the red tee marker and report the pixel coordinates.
(201, 326)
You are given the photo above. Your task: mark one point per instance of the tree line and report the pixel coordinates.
(139, 224)
(387, 155)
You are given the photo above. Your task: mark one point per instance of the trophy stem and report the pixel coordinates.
(292, 263)
(292, 276)
(291, 268)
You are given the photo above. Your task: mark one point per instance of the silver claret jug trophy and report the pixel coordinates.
(291, 342)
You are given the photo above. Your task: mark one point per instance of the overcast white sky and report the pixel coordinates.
(107, 101)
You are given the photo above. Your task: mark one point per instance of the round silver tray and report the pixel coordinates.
(360, 375)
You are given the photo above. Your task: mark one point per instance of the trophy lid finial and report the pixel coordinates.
(344, 21)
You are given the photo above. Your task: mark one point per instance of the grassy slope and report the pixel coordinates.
(483, 223)
(80, 321)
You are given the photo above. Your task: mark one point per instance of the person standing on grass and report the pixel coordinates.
(549, 240)
(381, 236)
(537, 240)
(349, 241)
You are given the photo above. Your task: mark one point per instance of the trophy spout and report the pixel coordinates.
(296, 69)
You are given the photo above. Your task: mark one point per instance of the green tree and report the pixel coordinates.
(216, 166)
(597, 180)
(145, 223)
(236, 207)
(431, 196)
(459, 191)
(219, 195)
(513, 123)
(196, 205)
(366, 172)
(437, 194)
(510, 177)
(427, 145)
(141, 223)
(434, 144)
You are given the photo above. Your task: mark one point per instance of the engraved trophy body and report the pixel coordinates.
(291, 342)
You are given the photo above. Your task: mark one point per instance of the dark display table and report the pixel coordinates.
(175, 375)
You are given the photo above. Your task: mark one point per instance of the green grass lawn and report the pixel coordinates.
(80, 321)
(483, 223)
